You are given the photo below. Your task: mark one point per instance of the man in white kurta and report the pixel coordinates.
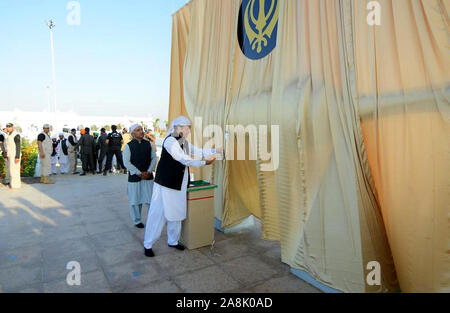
(14, 155)
(140, 182)
(63, 154)
(168, 205)
(45, 151)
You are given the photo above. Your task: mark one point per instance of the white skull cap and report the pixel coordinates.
(179, 121)
(133, 127)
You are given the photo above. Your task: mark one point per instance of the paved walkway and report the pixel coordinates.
(86, 219)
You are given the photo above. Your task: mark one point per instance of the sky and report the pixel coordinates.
(115, 62)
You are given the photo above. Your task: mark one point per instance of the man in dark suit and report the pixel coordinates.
(87, 146)
(103, 146)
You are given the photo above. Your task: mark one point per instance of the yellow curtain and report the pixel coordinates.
(331, 222)
(336, 186)
(180, 31)
(403, 83)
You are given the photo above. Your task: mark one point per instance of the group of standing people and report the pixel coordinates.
(98, 149)
(96, 152)
(164, 192)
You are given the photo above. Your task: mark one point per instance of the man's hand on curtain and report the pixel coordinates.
(210, 161)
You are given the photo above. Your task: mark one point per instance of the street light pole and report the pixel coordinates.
(51, 25)
(48, 99)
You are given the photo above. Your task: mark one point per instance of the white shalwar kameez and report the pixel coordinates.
(63, 159)
(169, 205)
(139, 193)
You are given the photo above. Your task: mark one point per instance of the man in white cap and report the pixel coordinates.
(63, 154)
(139, 158)
(13, 156)
(73, 151)
(168, 202)
(45, 151)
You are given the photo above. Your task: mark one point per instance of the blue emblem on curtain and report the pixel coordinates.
(258, 27)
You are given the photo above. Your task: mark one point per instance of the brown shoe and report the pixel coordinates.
(48, 181)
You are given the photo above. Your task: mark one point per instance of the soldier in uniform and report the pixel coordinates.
(73, 151)
(114, 142)
(96, 150)
(103, 149)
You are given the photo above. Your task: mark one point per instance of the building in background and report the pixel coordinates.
(30, 122)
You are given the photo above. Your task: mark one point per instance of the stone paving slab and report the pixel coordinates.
(131, 275)
(165, 286)
(284, 284)
(211, 279)
(44, 227)
(249, 269)
(15, 278)
(20, 256)
(182, 262)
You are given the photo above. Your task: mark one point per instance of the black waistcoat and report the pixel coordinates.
(64, 146)
(55, 144)
(170, 172)
(140, 158)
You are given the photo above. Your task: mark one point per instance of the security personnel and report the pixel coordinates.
(87, 144)
(13, 148)
(73, 151)
(96, 150)
(103, 149)
(114, 142)
(45, 151)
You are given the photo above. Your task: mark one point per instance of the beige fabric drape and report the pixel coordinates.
(180, 31)
(403, 84)
(337, 183)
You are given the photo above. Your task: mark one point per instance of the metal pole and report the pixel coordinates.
(48, 99)
(52, 25)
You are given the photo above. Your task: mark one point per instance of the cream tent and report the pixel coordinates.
(364, 139)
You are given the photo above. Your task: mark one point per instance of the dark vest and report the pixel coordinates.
(140, 158)
(170, 172)
(64, 146)
(55, 144)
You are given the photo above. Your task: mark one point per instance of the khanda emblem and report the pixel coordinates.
(257, 27)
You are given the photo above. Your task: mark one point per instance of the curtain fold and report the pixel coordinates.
(403, 84)
(363, 114)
